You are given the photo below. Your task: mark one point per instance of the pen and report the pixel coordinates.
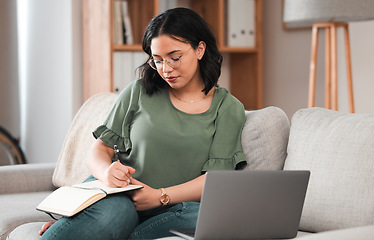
(116, 154)
(116, 151)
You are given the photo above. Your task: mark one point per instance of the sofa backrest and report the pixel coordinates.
(338, 149)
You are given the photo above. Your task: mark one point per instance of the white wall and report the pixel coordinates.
(50, 74)
(362, 51)
(286, 64)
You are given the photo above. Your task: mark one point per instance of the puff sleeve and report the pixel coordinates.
(116, 128)
(226, 149)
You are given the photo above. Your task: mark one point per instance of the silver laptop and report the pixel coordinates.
(250, 205)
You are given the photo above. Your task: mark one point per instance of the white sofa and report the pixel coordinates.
(338, 149)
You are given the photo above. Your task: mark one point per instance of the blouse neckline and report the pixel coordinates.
(214, 102)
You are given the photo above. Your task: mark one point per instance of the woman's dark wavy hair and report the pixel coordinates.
(184, 25)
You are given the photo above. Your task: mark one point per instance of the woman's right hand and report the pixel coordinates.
(117, 175)
(112, 174)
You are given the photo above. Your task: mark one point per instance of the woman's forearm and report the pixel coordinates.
(99, 159)
(147, 197)
(187, 192)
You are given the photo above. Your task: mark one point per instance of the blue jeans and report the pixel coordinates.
(115, 217)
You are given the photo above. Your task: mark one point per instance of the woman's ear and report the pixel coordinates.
(201, 50)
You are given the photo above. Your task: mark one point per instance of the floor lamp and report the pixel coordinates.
(328, 15)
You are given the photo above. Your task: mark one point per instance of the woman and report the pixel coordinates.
(170, 127)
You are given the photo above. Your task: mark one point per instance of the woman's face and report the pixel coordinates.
(182, 56)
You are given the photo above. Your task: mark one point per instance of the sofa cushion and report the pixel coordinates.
(338, 149)
(356, 233)
(20, 208)
(71, 166)
(264, 138)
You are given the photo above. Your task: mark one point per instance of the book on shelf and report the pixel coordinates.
(117, 23)
(241, 30)
(126, 23)
(122, 30)
(69, 200)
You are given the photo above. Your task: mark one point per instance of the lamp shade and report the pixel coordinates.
(301, 13)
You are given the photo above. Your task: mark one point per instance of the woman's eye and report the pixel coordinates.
(157, 61)
(175, 59)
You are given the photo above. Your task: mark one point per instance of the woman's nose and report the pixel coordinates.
(166, 67)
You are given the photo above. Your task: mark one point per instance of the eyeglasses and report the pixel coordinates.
(173, 62)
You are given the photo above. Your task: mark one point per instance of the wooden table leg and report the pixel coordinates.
(313, 63)
(334, 69)
(328, 68)
(349, 69)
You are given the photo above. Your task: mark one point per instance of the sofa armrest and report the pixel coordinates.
(26, 178)
(356, 233)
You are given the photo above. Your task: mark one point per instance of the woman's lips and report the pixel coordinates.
(171, 79)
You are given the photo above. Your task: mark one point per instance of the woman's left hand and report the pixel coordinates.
(145, 198)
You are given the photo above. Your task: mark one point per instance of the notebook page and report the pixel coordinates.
(97, 184)
(66, 200)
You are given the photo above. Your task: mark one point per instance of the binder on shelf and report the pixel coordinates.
(125, 65)
(168, 4)
(241, 30)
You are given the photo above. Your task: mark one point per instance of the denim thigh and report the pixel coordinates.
(157, 222)
(113, 217)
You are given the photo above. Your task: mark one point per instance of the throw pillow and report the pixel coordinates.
(264, 139)
(338, 149)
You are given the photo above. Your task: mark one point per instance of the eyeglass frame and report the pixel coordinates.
(167, 61)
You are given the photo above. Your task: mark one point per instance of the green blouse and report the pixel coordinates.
(167, 146)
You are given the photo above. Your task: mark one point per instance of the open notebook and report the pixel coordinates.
(69, 200)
